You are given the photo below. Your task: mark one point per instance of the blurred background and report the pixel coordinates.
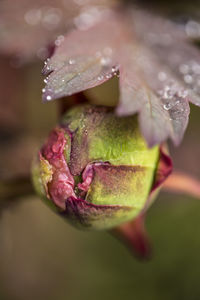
(41, 256)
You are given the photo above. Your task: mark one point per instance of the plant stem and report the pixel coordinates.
(134, 235)
(182, 183)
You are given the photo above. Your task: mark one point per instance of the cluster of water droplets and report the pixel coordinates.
(114, 72)
(89, 16)
(173, 98)
(106, 60)
(47, 17)
(48, 97)
(47, 68)
(98, 67)
(192, 29)
(85, 12)
(190, 73)
(59, 40)
(56, 18)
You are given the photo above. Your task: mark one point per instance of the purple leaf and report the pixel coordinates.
(133, 233)
(162, 105)
(159, 69)
(27, 32)
(79, 63)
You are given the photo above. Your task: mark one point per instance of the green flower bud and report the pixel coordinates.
(95, 168)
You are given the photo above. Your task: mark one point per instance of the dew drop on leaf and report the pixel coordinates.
(105, 61)
(72, 62)
(188, 79)
(59, 40)
(192, 29)
(100, 77)
(51, 18)
(167, 106)
(49, 98)
(33, 17)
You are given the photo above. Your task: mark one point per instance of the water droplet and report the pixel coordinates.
(48, 97)
(108, 76)
(43, 90)
(45, 80)
(167, 106)
(162, 76)
(115, 70)
(184, 69)
(192, 29)
(105, 61)
(52, 17)
(33, 16)
(188, 79)
(58, 91)
(167, 92)
(46, 61)
(72, 62)
(196, 68)
(101, 77)
(59, 40)
(182, 93)
(89, 16)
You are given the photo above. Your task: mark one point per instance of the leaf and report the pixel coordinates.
(84, 64)
(29, 31)
(182, 183)
(159, 69)
(171, 44)
(134, 235)
(162, 106)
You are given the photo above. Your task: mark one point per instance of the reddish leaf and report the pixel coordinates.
(27, 32)
(163, 172)
(142, 48)
(133, 233)
(164, 169)
(162, 106)
(79, 64)
(182, 183)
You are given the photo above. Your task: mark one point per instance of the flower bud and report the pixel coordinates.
(95, 168)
